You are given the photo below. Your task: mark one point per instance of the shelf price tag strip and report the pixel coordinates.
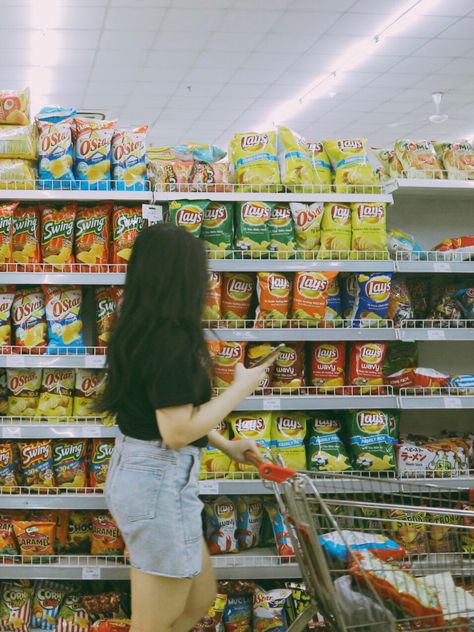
(153, 213)
(91, 572)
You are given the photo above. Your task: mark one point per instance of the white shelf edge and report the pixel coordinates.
(73, 361)
(73, 195)
(57, 431)
(261, 196)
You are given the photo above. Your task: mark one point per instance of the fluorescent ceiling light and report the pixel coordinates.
(321, 86)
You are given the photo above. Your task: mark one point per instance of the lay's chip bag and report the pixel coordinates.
(92, 153)
(321, 165)
(372, 448)
(288, 435)
(372, 299)
(254, 161)
(129, 159)
(336, 231)
(333, 314)
(328, 363)
(296, 169)
(237, 293)
(257, 426)
(310, 295)
(282, 231)
(252, 231)
(226, 358)
(55, 148)
(63, 313)
(326, 451)
(212, 302)
(217, 229)
(215, 463)
(29, 319)
(274, 294)
(369, 231)
(188, 214)
(350, 162)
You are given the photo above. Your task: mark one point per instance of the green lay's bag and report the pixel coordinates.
(188, 214)
(217, 228)
(372, 448)
(252, 230)
(326, 451)
(282, 231)
(296, 168)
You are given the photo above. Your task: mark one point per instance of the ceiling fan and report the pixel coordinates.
(436, 118)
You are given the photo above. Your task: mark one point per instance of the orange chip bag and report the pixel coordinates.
(127, 222)
(99, 460)
(237, 291)
(106, 314)
(273, 290)
(310, 295)
(288, 372)
(6, 227)
(7, 294)
(26, 238)
(8, 466)
(35, 538)
(226, 359)
(69, 462)
(106, 538)
(36, 460)
(212, 302)
(92, 232)
(365, 364)
(57, 236)
(328, 362)
(7, 539)
(29, 319)
(15, 606)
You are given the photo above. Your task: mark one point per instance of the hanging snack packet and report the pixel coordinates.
(72, 615)
(328, 362)
(106, 539)
(55, 398)
(26, 238)
(273, 291)
(92, 153)
(333, 313)
(399, 304)
(249, 521)
(36, 462)
(237, 293)
(369, 231)
(55, 153)
(7, 294)
(282, 538)
(403, 246)
(99, 460)
(17, 173)
(188, 214)
(91, 235)
(254, 426)
(307, 219)
(15, 107)
(57, 236)
(255, 352)
(296, 169)
(126, 222)
(288, 372)
(254, 161)
(23, 391)
(220, 522)
(129, 159)
(106, 314)
(15, 602)
(9, 477)
(29, 319)
(310, 295)
(365, 364)
(282, 232)
(212, 302)
(321, 166)
(217, 229)
(336, 231)
(400, 355)
(6, 229)
(63, 313)
(45, 606)
(372, 448)
(79, 532)
(288, 435)
(69, 463)
(351, 164)
(229, 355)
(465, 299)
(326, 451)
(215, 463)
(89, 384)
(252, 236)
(418, 159)
(457, 159)
(371, 303)
(3, 393)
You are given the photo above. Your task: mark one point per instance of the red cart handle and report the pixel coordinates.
(269, 471)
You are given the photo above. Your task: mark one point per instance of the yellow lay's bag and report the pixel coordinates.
(336, 231)
(254, 161)
(321, 165)
(255, 426)
(288, 435)
(369, 231)
(296, 169)
(215, 463)
(349, 160)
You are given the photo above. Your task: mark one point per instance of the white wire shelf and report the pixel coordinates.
(52, 498)
(434, 261)
(62, 191)
(55, 428)
(427, 185)
(430, 398)
(430, 329)
(60, 357)
(62, 274)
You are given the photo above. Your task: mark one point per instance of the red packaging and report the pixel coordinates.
(365, 364)
(26, 238)
(288, 372)
(92, 234)
(328, 362)
(417, 378)
(6, 222)
(255, 352)
(127, 223)
(106, 313)
(57, 236)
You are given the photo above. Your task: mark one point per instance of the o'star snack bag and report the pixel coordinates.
(254, 161)
(371, 446)
(3, 392)
(26, 237)
(212, 302)
(221, 523)
(328, 362)
(106, 313)
(6, 225)
(350, 163)
(307, 219)
(310, 294)
(251, 426)
(252, 236)
(92, 153)
(288, 435)
(372, 298)
(237, 292)
(249, 521)
(188, 214)
(296, 169)
(23, 391)
(326, 451)
(213, 461)
(105, 539)
(15, 602)
(336, 231)
(63, 313)
(273, 291)
(270, 609)
(255, 352)
(45, 607)
(7, 294)
(321, 166)
(365, 363)
(217, 228)
(55, 152)
(28, 318)
(99, 460)
(55, 398)
(36, 462)
(89, 384)
(69, 463)
(91, 235)
(129, 159)
(369, 231)
(127, 223)
(288, 372)
(282, 232)
(8, 467)
(229, 354)
(57, 235)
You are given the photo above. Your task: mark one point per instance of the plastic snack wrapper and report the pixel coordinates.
(92, 153)
(129, 159)
(23, 391)
(78, 539)
(254, 161)
(228, 355)
(36, 462)
(273, 291)
(333, 313)
(26, 238)
(457, 159)
(282, 232)
(369, 236)
(45, 606)
(257, 426)
(89, 385)
(7, 294)
(326, 451)
(18, 142)
(238, 613)
(465, 299)
(399, 305)
(166, 173)
(335, 231)
(199, 152)
(105, 538)
(34, 538)
(17, 173)
(288, 371)
(328, 362)
(188, 215)
(390, 163)
(365, 364)
(221, 524)
(282, 538)
(8, 545)
(237, 292)
(212, 302)
(307, 220)
(99, 459)
(348, 287)
(288, 433)
(29, 319)
(372, 299)
(8, 468)
(55, 148)
(403, 246)
(255, 352)
(106, 313)
(92, 235)
(436, 458)
(463, 384)
(269, 609)
(400, 355)
(57, 236)
(321, 165)
(55, 398)
(214, 462)
(249, 521)
(69, 463)
(217, 229)
(72, 615)
(372, 449)
(417, 378)
(252, 237)
(209, 177)
(296, 169)
(6, 224)
(351, 164)
(63, 313)
(455, 246)
(337, 545)
(418, 159)
(15, 601)
(310, 295)
(3, 392)
(126, 224)
(15, 107)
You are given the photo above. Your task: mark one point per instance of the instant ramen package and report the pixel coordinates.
(326, 451)
(307, 220)
(63, 313)
(252, 237)
(296, 169)
(129, 159)
(273, 291)
(321, 165)
(282, 231)
(188, 214)
(214, 462)
(372, 448)
(418, 159)
(92, 153)
(217, 229)
(256, 426)
(220, 525)
(336, 231)
(457, 159)
(310, 295)
(15, 107)
(29, 319)
(254, 161)
(56, 392)
(23, 391)
(57, 236)
(287, 435)
(249, 521)
(55, 169)
(369, 231)
(351, 165)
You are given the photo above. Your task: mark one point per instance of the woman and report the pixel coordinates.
(158, 386)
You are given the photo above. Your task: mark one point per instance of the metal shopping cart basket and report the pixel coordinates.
(380, 554)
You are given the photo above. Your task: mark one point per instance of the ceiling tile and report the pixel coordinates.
(441, 47)
(305, 22)
(221, 59)
(458, 8)
(357, 105)
(174, 41)
(429, 26)
(396, 80)
(255, 21)
(245, 90)
(109, 87)
(249, 75)
(148, 89)
(200, 89)
(108, 58)
(158, 75)
(362, 24)
(170, 59)
(420, 65)
(198, 75)
(272, 43)
(132, 19)
(463, 29)
(310, 5)
(379, 63)
(184, 20)
(114, 40)
(458, 67)
(233, 41)
(269, 61)
(190, 102)
(438, 82)
(373, 6)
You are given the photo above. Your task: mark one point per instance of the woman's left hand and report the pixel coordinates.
(237, 449)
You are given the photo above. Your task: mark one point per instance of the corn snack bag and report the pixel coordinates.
(372, 299)
(307, 219)
(369, 231)
(91, 235)
(188, 214)
(89, 384)
(269, 609)
(3, 392)
(23, 391)
(237, 293)
(326, 451)
(252, 236)
(15, 603)
(288, 372)
(296, 169)
(229, 355)
(106, 314)
(288, 433)
(57, 236)
(282, 538)
(55, 398)
(372, 448)
(350, 163)
(365, 364)
(199, 152)
(328, 362)
(254, 161)
(457, 159)
(7, 539)
(212, 303)
(209, 177)
(63, 313)
(6, 229)
(79, 532)
(310, 295)
(92, 153)
(7, 294)
(18, 142)
(36, 462)
(26, 237)
(282, 231)
(418, 159)
(15, 107)
(220, 522)
(273, 291)
(99, 460)
(105, 539)
(69, 462)
(28, 318)
(213, 461)
(17, 173)
(251, 426)
(336, 231)
(168, 174)
(333, 313)
(249, 521)
(72, 615)
(217, 229)
(45, 607)
(55, 152)
(8, 466)
(129, 159)
(127, 222)
(321, 166)
(255, 352)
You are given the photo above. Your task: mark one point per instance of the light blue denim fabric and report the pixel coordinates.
(152, 493)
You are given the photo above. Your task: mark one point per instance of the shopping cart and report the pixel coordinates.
(426, 580)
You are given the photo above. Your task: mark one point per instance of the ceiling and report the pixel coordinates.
(199, 70)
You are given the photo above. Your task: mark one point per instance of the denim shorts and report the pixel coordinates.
(152, 493)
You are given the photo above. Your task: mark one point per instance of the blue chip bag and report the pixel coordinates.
(269, 613)
(45, 607)
(348, 290)
(249, 521)
(334, 304)
(92, 153)
(402, 246)
(238, 613)
(63, 314)
(129, 159)
(337, 545)
(55, 148)
(282, 538)
(371, 303)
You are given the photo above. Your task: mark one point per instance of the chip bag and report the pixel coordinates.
(15, 107)
(69, 463)
(418, 159)
(63, 313)
(333, 313)
(36, 462)
(399, 305)
(23, 391)
(273, 291)
(372, 299)
(26, 238)
(269, 609)
(326, 451)
(282, 231)
(217, 229)
(168, 174)
(249, 521)
(282, 539)
(89, 384)
(336, 231)
(92, 153)
(7, 539)
(6, 228)
(403, 246)
(256, 426)
(79, 532)
(91, 235)
(99, 461)
(254, 161)
(288, 372)
(215, 463)
(127, 222)
(17, 174)
(129, 159)
(15, 601)
(106, 314)
(45, 607)
(307, 219)
(328, 362)
(349, 288)
(220, 525)
(287, 435)
(29, 319)
(57, 236)
(321, 166)
(372, 449)
(7, 294)
(365, 364)
(18, 142)
(369, 231)
(237, 293)
(212, 302)
(457, 159)
(209, 177)
(55, 152)
(9, 477)
(106, 539)
(3, 392)
(188, 214)
(310, 295)
(228, 356)
(55, 398)
(296, 169)
(35, 539)
(72, 615)
(252, 236)
(256, 351)
(238, 613)
(351, 164)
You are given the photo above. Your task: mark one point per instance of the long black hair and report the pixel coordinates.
(164, 296)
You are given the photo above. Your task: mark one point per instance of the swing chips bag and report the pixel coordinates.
(57, 236)
(92, 234)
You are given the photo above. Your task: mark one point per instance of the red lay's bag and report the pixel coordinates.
(273, 290)
(365, 364)
(29, 319)
(226, 358)
(26, 238)
(328, 361)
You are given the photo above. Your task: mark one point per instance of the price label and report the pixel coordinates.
(436, 334)
(208, 487)
(153, 213)
(272, 403)
(442, 266)
(452, 402)
(94, 362)
(90, 572)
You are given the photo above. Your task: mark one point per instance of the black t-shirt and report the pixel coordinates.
(182, 379)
